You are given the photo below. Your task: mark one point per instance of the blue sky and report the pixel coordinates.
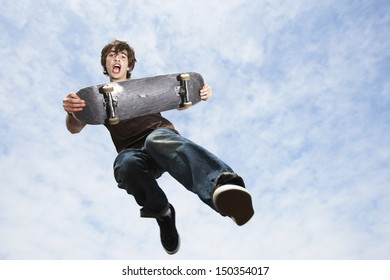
(301, 109)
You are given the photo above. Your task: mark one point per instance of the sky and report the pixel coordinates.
(300, 109)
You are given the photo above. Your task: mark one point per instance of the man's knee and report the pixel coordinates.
(161, 140)
(154, 137)
(125, 164)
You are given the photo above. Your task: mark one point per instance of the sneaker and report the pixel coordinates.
(232, 199)
(170, 238)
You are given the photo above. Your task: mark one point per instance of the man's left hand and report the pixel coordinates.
(205, 92)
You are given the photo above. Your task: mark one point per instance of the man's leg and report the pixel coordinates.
(202, 173)
(136, 172)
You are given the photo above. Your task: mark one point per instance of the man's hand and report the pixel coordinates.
(73, 103)
(205, 92)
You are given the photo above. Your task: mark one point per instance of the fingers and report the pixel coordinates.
(73, 103)
(205, 92)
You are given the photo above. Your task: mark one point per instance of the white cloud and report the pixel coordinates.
(300, 109)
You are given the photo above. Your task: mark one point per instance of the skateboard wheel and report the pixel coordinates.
(184, 77)
(185, 105)
(107, 89)
(113, 121)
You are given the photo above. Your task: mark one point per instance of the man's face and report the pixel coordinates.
(117, 65)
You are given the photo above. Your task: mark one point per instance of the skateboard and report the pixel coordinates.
(113, 102)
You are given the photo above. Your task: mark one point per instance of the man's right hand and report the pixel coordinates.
(73, 103)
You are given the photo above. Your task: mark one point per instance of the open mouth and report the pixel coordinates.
(116, 69)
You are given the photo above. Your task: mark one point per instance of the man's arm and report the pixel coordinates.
(72, 103)
(73, 125)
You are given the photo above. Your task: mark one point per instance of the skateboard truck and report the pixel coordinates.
(110, 103)
(183, 91)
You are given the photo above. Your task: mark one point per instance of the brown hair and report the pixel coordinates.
(118, 46)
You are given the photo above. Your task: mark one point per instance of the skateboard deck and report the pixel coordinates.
(113, 102)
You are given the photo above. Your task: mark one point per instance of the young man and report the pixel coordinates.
(149, 146)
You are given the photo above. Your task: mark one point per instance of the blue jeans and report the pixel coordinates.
(136, 169)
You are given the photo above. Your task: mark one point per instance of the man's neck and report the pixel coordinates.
(117, 80)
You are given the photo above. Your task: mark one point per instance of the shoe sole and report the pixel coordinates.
(177, 247)
(235, 202)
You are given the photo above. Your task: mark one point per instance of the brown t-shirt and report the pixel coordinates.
(129, 132)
